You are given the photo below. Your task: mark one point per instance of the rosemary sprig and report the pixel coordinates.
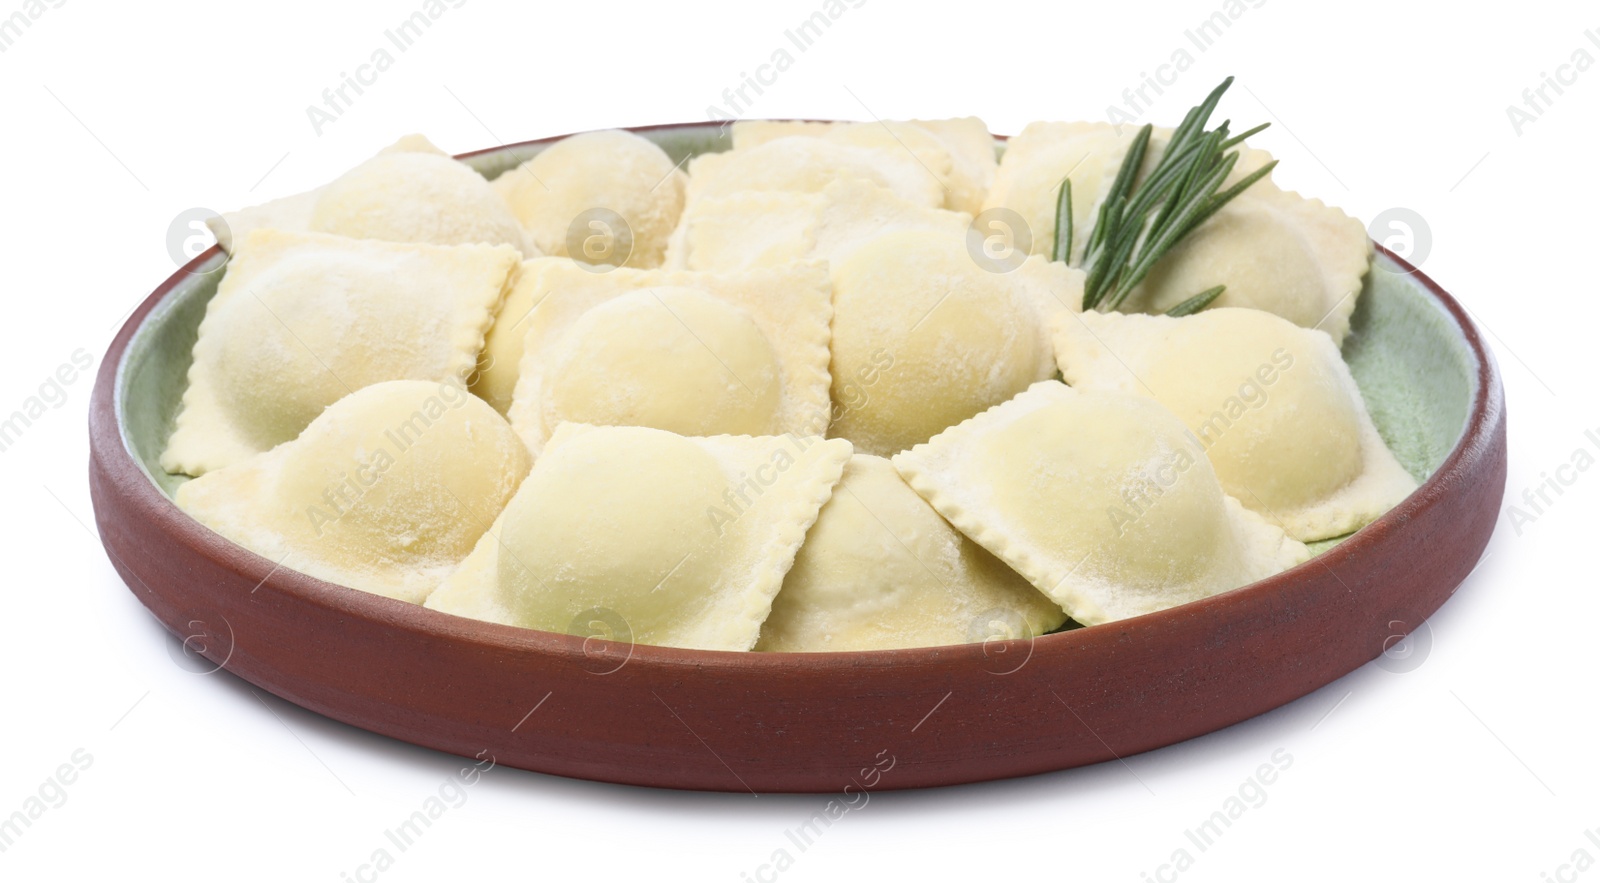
(1141, 220)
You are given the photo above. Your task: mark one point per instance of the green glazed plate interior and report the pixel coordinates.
(1412, 363)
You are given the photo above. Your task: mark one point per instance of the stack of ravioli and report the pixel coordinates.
(788, 397)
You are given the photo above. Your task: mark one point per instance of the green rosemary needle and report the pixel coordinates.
(1140, 221)
(1198, 302)
(1062, 249)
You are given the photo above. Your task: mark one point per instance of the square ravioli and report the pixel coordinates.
(696, 353)
(1044, 154)
(301, 320)
(376, 494)
(770, 227)
(410, 191)
(673, 541)
(962, 145)
(416, 197)
(1276, 251)
(1273, 404)
(881, 570)
(808, 165)
(1102, 500)
(607, 197)
(294, 212)
(926, 336)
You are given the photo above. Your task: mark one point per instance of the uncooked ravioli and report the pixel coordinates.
(924, 337)
(698, 353)
(767, 228)
(294, 212)
(1275, 251)
(809, 165)
(671, 357)
(1273, 404)
(1102, 500)
(880, 570)
(960, 150)
(682, 541)
(386, 491)
(303, 319)
(1045, 154)
(590, 180)
(495, 380)
(415, 197)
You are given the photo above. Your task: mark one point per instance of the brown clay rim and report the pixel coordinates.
(107, 441)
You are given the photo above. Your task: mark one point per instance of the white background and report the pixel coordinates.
(1477, 764)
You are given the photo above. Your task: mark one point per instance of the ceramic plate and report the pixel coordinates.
(824, 721)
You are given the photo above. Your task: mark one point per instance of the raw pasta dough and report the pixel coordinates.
(1046, 153)
(684, 540)
(415, 197)
(924, 337)
(496, 378)
(880, 570)
(294, 212)
(694, 353)
(1275, 251)
(808, 165)
(963, 146)
(1102, 500)
(1272, 403)
(766, 228)
(612, 173)
(383, 492)
(304, 319)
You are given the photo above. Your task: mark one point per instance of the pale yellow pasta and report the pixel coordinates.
(294, 212)
(696, 353)
(880, 570)
(765, 228)
(415, 197)
(962, 148)
(1102, 500)
(303, 319)
(808, 165)
(1275, 251)
(496, 378)
(1273, 405)
(576, 190)
(924, 337)
(680, 542)
(1036, 162)
(383, 492)
(791, 397)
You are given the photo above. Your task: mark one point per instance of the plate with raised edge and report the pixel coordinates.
(814, 722)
